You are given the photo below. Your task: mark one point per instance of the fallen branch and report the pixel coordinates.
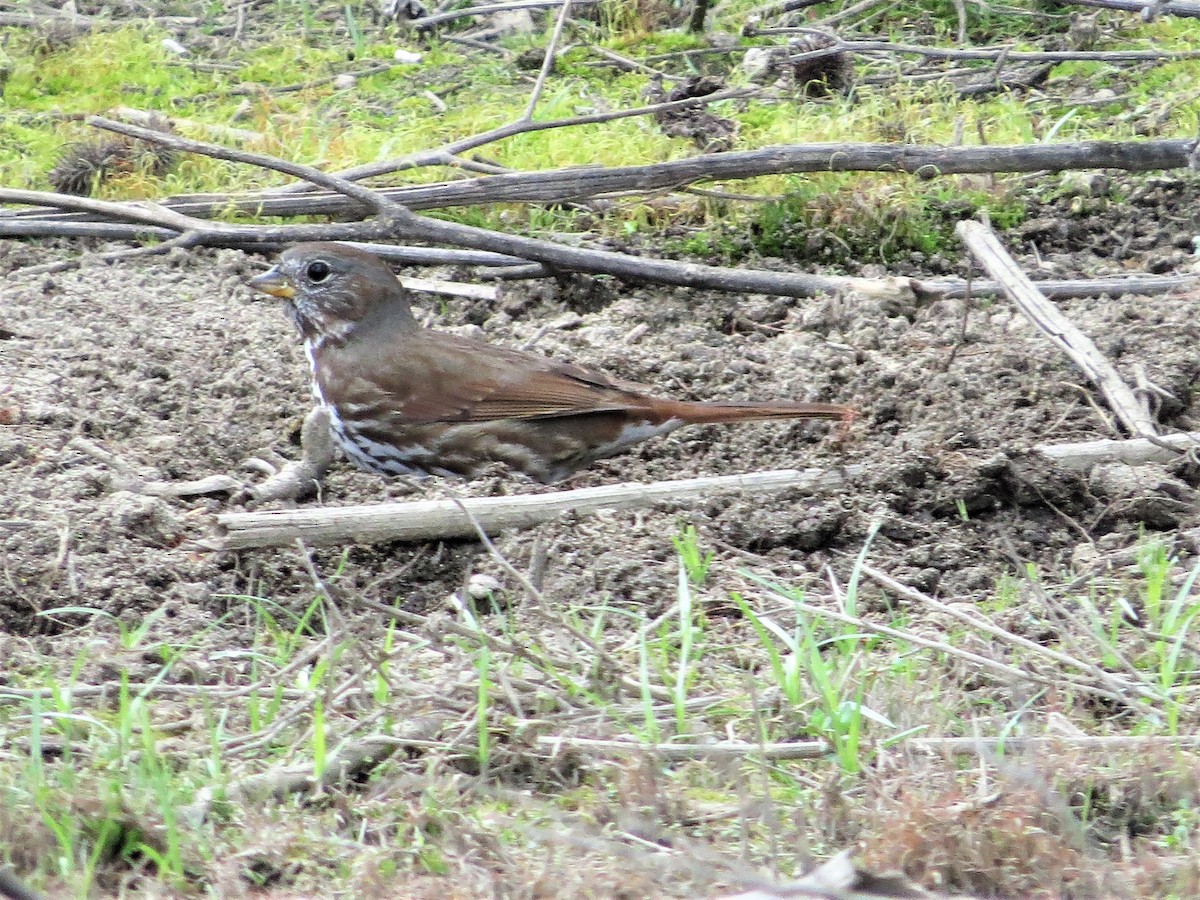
(1115, 286)
(82, 24)
(1017, 744)
(927, 289)
(487, 9)
(774, 751)
(442, 519)
(577, 183)
(555, 256)
(1081, 456)
(583, 182)
(956, 746)
(1134, 413)
(392, 220)
(1170, 8)
(1006, 54)
(428, 520)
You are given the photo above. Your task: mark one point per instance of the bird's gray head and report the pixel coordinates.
(330, 288)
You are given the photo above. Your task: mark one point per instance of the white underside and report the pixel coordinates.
(633, 434)
(364, 452)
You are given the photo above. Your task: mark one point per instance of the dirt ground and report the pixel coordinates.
(171, 369)
(177, 371)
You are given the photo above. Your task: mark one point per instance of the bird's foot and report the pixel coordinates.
(300, 478)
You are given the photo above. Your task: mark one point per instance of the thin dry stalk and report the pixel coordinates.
(991, 54)
(988, 666)
(775, 751)
(1107, 679)
(488, 9)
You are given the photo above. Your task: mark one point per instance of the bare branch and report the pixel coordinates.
(582, 182)
(1133, 412)
(488, 9)
(437, 519)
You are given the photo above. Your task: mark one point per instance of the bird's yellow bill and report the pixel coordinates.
(274, 283)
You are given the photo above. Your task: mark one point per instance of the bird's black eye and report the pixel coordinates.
(317, 271)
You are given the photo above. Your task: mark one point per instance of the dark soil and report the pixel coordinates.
(174, 371)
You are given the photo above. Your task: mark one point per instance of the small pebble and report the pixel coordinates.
(480, 587)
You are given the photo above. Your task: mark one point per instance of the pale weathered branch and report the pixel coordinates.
(488, 9)
(990, 53)
(1134, 413)
(1082, 455)
(779, 751)
(445, 519)
(439, 519)
(1114, 286)
(394, 220)
(576, 183)
(1171, 7)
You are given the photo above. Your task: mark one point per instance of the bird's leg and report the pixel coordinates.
(300, 478)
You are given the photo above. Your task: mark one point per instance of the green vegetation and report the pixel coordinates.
(54, 78)
(734, 722)
(104, 788)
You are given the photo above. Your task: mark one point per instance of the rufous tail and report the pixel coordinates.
(716, 413)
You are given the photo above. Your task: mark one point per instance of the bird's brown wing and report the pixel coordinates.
(446, 378)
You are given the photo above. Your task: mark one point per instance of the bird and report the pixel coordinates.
(407, 400)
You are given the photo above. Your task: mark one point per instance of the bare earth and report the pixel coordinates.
(170, 369)
(176, 369)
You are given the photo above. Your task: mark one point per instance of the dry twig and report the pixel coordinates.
(576, 183)
(1132, 411)
(441, 519)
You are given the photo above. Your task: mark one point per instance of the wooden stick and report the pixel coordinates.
(1171, 8)
(451, 288)
(440, 519)
(582, 182)
(956, 746)
(1081, 456)
(444, 519)
(973, 745)
(1114, 286)
(989, 53)
(393, 220)
(1134, 413)
(54, 225)
(488, 9)
(774, 751)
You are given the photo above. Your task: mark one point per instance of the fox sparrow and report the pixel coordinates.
(403, 399)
